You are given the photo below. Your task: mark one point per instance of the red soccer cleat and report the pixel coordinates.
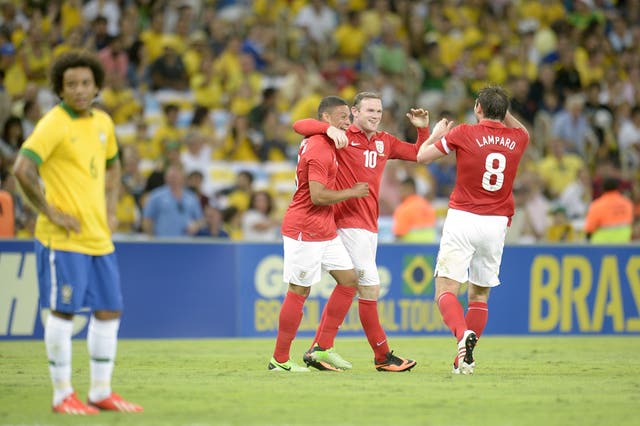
(114, 402)
(72, 405)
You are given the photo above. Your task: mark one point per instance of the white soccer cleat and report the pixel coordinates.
(466, 363)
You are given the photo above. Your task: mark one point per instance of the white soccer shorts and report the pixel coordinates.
(362, 246)
(471, 248)
(304, 260)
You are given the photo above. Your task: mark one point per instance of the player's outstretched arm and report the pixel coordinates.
(323, 196)
(310, 126)
(428, 152)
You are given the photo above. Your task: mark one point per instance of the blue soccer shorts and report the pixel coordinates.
(69, 281)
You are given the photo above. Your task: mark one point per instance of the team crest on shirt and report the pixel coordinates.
(302, 275)
(102, 137)
(380, 147)
(66, 291)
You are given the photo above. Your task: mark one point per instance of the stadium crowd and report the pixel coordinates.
(204, 93)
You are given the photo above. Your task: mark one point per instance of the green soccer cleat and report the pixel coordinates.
(288, 366)
(330, 357)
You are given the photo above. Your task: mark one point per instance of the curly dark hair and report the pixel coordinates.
(75, 59)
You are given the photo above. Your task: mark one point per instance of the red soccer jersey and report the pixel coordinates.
(304, 220)
(487, 157)
(363, 161)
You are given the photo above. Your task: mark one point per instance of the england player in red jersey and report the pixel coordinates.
(480, 208)
(311, 243)
(363, 160)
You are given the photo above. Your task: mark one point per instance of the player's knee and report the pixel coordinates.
(369, 292)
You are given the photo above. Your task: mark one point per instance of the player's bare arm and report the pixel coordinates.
(511, 121)
(428, 152)
(26, 172)
(323, 196)
(112, 188)
(310, 126)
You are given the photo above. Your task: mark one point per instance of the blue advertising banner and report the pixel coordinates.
(206, 289)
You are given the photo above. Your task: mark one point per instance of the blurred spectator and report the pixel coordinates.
(560, 229)
(257, 222)
(115, 59)
(443, 173)
(610, 216)
(152, 36)
(197, 154)
(35, 56)
(156, 178)
(196, 50)
(572, 126)
(388, 53)
(99, 35)
(5, 99)
(31, 113)
(70, 16)
(259, 43)
(537, 205)
(318, 21)
(214, 225)
(73, 39)
(148, 148)
(15, 77)
(265, 129)
(629, 140)
(232, 222)
(119, 100)
(133, 180)
(12, 138)
(558, 168)
(414, 219)
(604, 170)
(127, 212)
(521, 230)
(172, 210)
(567, 76)
(238, 146)
(168, 131)
(576, 196)
(207, 85)
(13, 19)
(239, 194)
(378, 16)
(194, 183)
(619, 35)
(108, 9)
(168, 72)
(202, 123)
(350, 39)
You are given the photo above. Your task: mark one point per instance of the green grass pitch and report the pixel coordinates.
(563, 380)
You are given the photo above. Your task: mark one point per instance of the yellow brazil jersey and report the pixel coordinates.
(72, 153)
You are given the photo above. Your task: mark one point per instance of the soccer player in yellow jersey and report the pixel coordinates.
(73, 151)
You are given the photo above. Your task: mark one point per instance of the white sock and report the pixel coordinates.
(57, 340)
(102, 341)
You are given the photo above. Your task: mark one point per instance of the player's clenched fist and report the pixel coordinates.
(361, 189)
